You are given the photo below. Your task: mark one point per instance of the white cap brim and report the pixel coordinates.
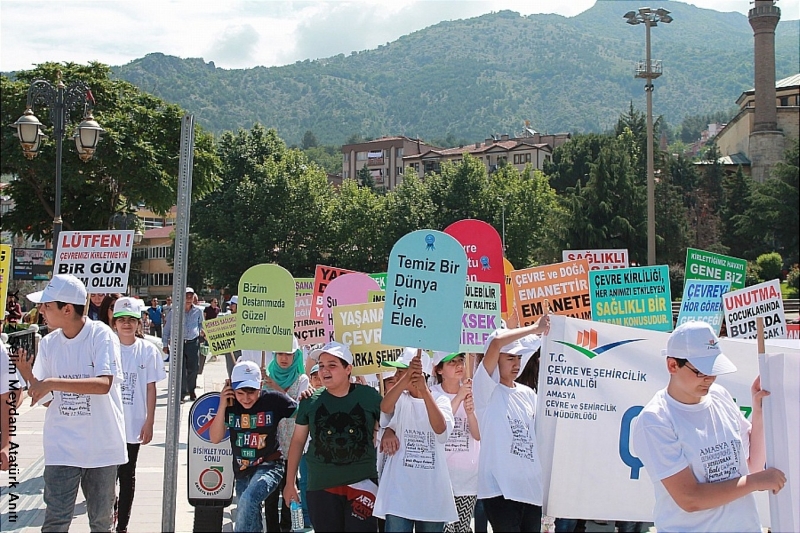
(36, 297)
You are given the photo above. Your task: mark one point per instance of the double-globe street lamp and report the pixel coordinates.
(60, 99)
(649, 70)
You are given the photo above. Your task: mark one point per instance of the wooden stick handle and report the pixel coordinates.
(760, 334)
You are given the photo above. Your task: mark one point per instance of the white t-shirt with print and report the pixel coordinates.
(713, 439)
(5, 375)
(415, 483)
(83, 430)
(141, 364)
(461, 449)
(509, 463)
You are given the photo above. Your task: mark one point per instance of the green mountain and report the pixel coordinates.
(475, 77)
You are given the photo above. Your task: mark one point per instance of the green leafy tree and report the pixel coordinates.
(327, 157)
(572, 159)
(737, 190)
(309, 140)
(135, 164)
(769, 265)
(364, 177)
(358, 222)
(272, 207)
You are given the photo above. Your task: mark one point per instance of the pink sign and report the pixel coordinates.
(345, 289)
(484, 253)
(306, 329)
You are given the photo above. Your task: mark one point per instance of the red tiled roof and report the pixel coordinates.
(159, 233)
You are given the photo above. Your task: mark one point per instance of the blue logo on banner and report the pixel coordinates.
(202, 414)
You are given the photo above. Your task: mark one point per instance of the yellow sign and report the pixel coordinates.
(221, 334)
(265, 317)
(5, 274)
(359, 326)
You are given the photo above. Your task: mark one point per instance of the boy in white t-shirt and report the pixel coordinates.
(84, 430)
(509, 467)
(697, 446)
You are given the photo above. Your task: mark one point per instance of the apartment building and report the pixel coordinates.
(383, 157)
(151, 272)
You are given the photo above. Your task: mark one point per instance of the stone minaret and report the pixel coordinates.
(766, 139)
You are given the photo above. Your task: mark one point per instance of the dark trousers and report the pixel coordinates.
(334, 512)
(191, 361)
(279, 517)
(126, 475)
(508, 515)
(155, 329)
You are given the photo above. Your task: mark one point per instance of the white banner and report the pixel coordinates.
(100, 259)
(779, 374)
(743, 306)
(594, 379)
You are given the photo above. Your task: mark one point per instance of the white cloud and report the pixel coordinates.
(241, 34)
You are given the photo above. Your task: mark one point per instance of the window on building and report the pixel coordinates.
(784, 101)
(361, 156)
(527, 158)
(347, 157)
(399, 171)
(399, 153)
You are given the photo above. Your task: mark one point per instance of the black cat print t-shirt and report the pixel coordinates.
(254, 431)
(341, 450)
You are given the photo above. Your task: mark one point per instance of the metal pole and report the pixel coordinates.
(59, 125)
(177, 315)
(651, 182)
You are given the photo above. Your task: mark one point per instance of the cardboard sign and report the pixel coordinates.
(707, 265)
(481, 315)
(221, 334)
(702, 300)
(376, 296)
(762, 300)
(425, 288)
(307, 330)
(100, 259)
(636, 297)
(564, 285)
(265, 317)
(599, 259)
(380, 277)
(346, 289)
(508, 268)
(594, 380)
(359, 327)
(303, 286)
(484, 249)
(322, 276)
(5, 270)
(793, 331)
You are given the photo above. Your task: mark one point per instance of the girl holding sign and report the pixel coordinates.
(509, 468)
(462, 447)
(142, 368)
(415, 491)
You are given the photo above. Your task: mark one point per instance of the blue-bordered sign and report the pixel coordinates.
(210, 469)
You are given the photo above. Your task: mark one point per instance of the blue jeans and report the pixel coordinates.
(61, 488)
(251, 491)
(302, 483)
(398, 524)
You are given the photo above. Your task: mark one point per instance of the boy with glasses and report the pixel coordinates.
(704, 457)
(252, 417)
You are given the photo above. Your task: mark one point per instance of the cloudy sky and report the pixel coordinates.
(243, 34)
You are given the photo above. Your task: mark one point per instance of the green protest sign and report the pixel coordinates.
(380, 277)
(717, 267)
(265, 319)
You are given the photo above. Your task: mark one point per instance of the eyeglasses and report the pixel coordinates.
(697, 372)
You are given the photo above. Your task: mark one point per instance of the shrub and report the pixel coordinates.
(753, 275)
(676, 273)
(793, 281)
(769, 266)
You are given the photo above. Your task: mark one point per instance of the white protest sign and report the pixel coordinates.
(742, 307)
(599, 259)
(100, 259)
(781, 412)
(594, 379)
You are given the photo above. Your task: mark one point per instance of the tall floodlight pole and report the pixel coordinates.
(60, 99)
(649, 70)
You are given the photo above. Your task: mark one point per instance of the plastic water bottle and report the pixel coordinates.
(297, 516)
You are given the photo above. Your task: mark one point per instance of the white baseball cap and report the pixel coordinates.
(524, 347)
(234, 300)
(443, 357)
(405, 359)
(246, 374)
(64, 288)
(127, 307)
(342, 351)
(697, 342)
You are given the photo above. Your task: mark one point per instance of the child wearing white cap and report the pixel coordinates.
(704, 458)
(415, 490)
(509, 468)
(84, 430)
(252, 417)
(142, 368)
(462, 448)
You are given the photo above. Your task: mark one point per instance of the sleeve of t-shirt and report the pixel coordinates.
(302, 412)
(447, 410)
(105, 353)
(656, 444)
(4, 366)
(155, 366)
(482, 387)
(41, 366)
